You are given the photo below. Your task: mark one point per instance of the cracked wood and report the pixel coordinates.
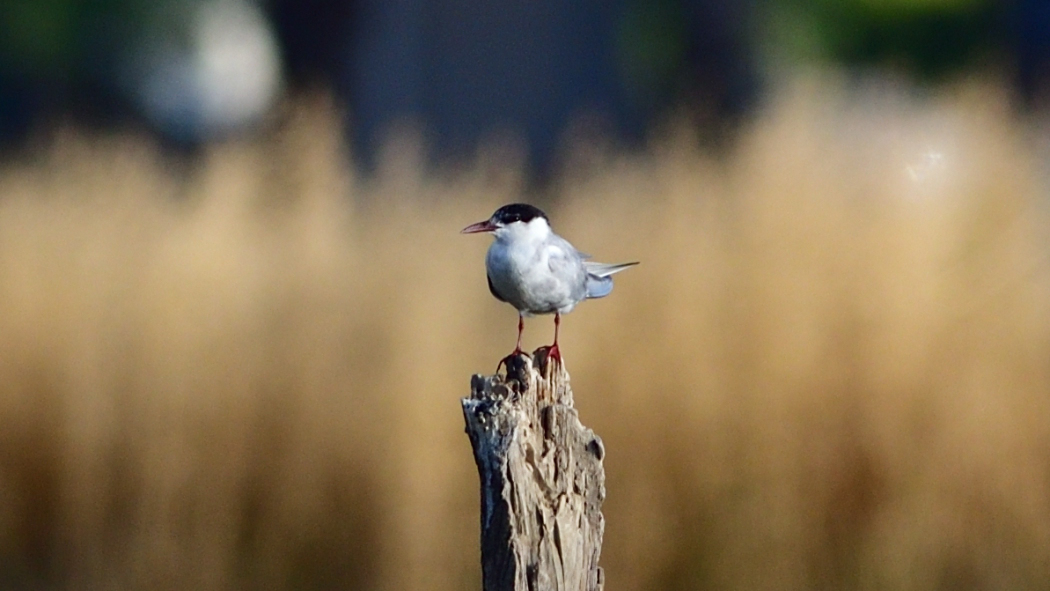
(542, 480)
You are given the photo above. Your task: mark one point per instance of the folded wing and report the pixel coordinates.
(599, 277)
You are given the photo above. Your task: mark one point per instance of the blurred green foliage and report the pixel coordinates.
(652, 39)
(65, 39)
(927, 38)
(41, 34)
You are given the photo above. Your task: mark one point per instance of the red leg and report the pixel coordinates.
(554, 351)
(517, 348)
(521, 328)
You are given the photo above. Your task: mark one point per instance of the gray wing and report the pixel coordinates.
(492, 289)
(567, 265)
(599, 277)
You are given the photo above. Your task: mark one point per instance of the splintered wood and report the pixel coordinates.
(542, 480)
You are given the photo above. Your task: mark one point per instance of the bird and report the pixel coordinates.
(537, 271)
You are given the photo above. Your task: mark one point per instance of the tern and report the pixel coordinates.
(536, 271)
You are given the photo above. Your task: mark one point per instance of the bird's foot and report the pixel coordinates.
(551, 353)
(517, 365)
(509, 359)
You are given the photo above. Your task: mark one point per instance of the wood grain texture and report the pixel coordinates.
(542, 480)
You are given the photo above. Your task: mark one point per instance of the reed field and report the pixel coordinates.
(830, 371)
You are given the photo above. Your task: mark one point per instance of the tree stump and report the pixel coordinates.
(542, 480)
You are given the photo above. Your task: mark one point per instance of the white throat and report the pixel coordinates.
(535, 231)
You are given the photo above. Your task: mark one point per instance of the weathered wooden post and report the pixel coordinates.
(542, 480)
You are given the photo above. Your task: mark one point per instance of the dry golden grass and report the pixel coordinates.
(832, 369)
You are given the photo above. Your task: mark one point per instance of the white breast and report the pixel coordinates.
(534, 270)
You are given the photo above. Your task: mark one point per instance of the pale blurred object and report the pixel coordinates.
(216, 74)
(930, 162)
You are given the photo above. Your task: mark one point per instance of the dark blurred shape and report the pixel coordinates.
(315, 35)
(469, 70)
(56, 59)
(465, 69)
(1029, 25)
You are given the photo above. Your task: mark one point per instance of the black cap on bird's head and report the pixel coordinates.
(506, 215)
(518, 212)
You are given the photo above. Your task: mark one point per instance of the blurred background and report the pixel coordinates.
(236, 315)
(470, 73)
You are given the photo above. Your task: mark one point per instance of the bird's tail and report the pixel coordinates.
(604, 270)
(599, 280)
